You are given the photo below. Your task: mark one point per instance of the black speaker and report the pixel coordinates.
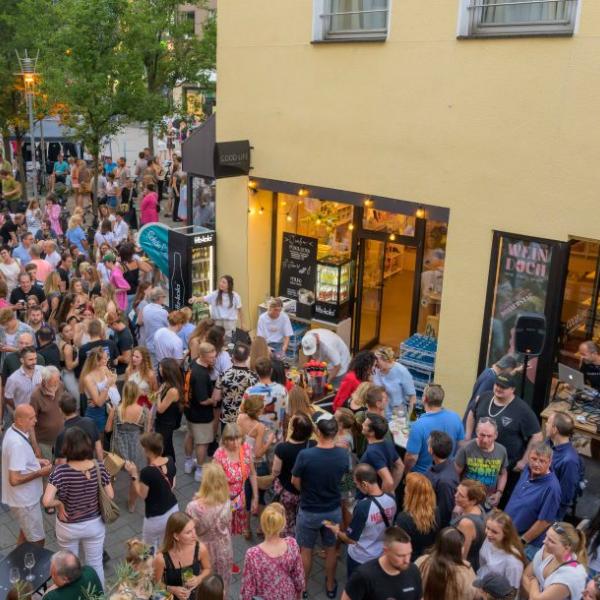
(530, 333)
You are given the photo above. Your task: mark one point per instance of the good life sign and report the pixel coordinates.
(298, 265)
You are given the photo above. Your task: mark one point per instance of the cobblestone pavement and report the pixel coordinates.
(129, 525)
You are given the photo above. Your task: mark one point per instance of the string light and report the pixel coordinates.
(392, 237)
(288, 218)
(350, 226)
(261, 210)
(252, 184)
(368, 202)
(302, 192)
(318, 221)
(420, 213)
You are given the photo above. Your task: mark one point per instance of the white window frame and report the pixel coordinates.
(321, 8)
(469, 24)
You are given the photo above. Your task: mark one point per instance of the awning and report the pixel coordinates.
(202, 156)
(53, 131)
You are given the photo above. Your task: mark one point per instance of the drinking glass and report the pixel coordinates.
(14, 575)
(30, 563)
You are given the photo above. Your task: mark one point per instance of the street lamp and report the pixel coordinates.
(27, 67)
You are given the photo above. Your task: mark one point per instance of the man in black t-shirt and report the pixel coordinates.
(123, 340)
(391, 576)
(518, 427)
(96, 333)
(64, 270)
(590, 363)
(8, 231)
(25, 289)
(199, 409)
(69, 407)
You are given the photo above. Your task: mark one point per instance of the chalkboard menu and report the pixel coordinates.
(298, 265)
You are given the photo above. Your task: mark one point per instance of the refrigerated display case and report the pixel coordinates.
(334, 282)
(191, 264)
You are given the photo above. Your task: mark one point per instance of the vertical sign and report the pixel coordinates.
(179, 270)
(298, 265)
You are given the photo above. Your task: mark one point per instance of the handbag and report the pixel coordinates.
(113, 463)
(265, 481)
(109, 511)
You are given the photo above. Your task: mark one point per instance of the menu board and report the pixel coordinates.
(298, 265)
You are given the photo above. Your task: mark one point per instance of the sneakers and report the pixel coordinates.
(198, 474)
(188, 466)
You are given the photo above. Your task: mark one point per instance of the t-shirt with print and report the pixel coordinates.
(371, 582)
(368, 526)
(480, 465)
(274, 396)
(516, 424)
(232, 385)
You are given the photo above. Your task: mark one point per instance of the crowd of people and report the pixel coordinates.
(95, 370)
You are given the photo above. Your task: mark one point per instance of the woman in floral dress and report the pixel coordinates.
(211, 511)
(236, 459)
(274, 568)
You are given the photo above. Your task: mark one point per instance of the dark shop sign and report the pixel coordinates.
(232, 158)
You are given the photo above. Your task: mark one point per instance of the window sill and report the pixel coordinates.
(522, 34)
(350, 40)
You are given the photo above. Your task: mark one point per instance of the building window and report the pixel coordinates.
(348, 20)
(189, 18)
(489, 18)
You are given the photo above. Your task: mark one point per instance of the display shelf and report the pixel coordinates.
(417, 354)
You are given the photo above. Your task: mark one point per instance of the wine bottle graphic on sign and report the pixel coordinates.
(177, 282)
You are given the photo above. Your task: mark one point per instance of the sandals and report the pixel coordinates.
(333, 592)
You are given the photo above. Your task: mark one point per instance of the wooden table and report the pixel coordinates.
(586, 437)
(40, 572)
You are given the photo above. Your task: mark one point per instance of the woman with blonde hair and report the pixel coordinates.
(258, 349)
(127, 422)
(502, 550)
(76, 235)
(53, 294)
(100, 308)
(96, 383)
(260, 439)
(211, 511)
(274, 555)
(558, 569)
(235, 456)
(181, 547)
(470, 517)
(198, 336)
(141, 372)
(444, 572)
(420, 517)
(109, 293)
(358, 400)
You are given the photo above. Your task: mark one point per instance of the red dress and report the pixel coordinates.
(235, 478)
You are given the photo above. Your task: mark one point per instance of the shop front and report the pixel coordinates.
(367, 267)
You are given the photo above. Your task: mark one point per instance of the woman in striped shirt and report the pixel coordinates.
(73, 489)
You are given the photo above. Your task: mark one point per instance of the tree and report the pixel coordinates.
(88, 66)
(170, 52)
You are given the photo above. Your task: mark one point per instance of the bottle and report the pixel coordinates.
(177, 283)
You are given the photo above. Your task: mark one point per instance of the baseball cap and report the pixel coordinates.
(309, 344)
(109, 257)
(505, 381)
(494, 584)
(508, 361)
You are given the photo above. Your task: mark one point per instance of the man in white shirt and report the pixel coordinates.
(22, 476)
(120, 228)
(326, 346)
(52, 256)
(23, 381)
(152, 318)
(275, 326)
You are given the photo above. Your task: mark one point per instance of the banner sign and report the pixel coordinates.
(153, 239)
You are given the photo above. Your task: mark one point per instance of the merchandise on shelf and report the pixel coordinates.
(417, 354)
(333, 287)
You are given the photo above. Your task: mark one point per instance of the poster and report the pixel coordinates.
(522, 278)
(298, 265)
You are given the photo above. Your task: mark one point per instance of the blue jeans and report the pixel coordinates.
(310, 524)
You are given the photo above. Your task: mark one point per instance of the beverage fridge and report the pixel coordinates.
(191, 264)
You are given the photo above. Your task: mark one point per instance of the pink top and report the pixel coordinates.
(53, 213)
(148, 208)
(121, 286)
(279, 578)
(44, 268)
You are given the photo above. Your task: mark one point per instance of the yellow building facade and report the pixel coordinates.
(502, 132)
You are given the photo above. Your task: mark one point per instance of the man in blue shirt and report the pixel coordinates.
(535, 501)
(21, 252)
(566, 463)
(381, 453)
(60, 170)
(435, 418)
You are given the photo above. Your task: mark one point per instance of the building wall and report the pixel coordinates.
(504, 132)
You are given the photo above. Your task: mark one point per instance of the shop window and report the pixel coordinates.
(348, 20)
(491, 18)
(580, 318)
(203, 202)
(388, 222)
(330, 222)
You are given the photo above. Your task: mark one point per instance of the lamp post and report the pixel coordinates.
(27, 67)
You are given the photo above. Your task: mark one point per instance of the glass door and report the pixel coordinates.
(369, 292)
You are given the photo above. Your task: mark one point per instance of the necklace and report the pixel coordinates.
(499, 412)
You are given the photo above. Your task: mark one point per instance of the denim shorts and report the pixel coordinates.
(310, 524)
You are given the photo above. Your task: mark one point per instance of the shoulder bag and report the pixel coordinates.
(109, 511)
